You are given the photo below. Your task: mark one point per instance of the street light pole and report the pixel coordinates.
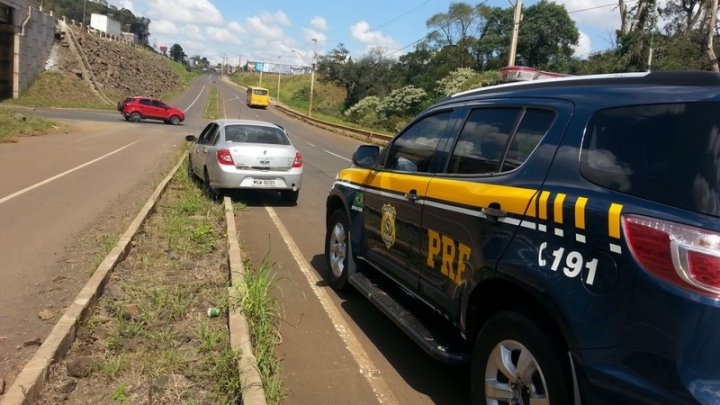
(278, 90)
(312, 77)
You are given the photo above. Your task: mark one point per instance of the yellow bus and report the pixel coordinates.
(258, 97)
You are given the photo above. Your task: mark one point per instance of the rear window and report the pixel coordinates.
(259, 92)
(255, 134)
(669, 153)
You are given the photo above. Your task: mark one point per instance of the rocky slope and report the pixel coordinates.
(117, 69)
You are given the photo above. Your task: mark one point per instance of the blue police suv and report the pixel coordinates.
(561, 236)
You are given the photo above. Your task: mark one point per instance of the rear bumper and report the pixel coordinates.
(232, 178)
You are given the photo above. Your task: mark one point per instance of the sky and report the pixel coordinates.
(289, 32)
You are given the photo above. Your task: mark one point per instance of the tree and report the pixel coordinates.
(176, 53)
(710, 31)
(493, 43)
(369, 76)
(453, 29)
(547, 37)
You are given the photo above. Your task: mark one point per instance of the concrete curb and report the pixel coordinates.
(31, 380)
(250, 381)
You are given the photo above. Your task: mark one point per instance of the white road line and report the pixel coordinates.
(196, 98)
(368, 370)
(336, 155)
(311, 144)
(42, 183)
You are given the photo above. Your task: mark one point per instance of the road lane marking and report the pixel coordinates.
(368, 370)
(46, 181)
(196, 98)
(311, 144)
(336, 155)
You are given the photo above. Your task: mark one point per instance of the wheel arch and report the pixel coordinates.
(491, 297)
(334, 202)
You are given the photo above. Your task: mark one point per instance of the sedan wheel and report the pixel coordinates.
(515, 361)
(337, 247)
(212, 193)
(190, 171)
(175, 120)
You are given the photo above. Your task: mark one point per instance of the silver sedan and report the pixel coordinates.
(245, 154)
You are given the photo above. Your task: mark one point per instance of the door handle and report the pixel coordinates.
(492, 212)
(412, 195)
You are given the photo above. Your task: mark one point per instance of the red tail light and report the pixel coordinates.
(679, 254)
(224, 157)
(298, 160)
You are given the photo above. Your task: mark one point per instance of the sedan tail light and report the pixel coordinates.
(298, 160)
(683, 255)
(224, 157)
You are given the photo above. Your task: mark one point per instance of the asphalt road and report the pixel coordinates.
(334, 348)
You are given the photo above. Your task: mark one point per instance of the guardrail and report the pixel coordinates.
(367, 136)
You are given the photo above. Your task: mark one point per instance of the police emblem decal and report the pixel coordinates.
(387, 225)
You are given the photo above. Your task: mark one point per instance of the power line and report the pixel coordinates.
(601, 6)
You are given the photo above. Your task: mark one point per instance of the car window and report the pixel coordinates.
(213, 135)
(255, 134)
(483, 141)
(533, 127)
(207, 133)
(668, 153)
(413, 149)
(490, 143)
(145, 101)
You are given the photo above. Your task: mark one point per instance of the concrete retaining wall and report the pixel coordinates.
(33, 44)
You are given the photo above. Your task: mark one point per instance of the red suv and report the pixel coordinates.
(139, 108)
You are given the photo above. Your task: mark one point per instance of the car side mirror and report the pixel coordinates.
(190, 138)
(366, 156)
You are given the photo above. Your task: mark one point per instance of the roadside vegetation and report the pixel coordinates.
(212, 109)
(14, 124)
(150, 336)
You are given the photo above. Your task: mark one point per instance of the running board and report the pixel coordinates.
(411, 325)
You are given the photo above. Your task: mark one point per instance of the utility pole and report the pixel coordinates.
(516, 28)
(279, 68)
(312, 77)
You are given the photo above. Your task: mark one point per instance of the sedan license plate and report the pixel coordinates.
(264, 182)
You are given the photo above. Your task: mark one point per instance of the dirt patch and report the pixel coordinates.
(149, 338)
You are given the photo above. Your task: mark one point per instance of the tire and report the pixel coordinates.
(190, 172)
(209, 191)
(506, 337)
(290, 196)
(337, 250)
(175, 120)
(135, 117)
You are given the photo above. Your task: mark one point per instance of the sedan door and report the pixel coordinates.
(199, 150)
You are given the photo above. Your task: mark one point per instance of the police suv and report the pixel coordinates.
(563, 236)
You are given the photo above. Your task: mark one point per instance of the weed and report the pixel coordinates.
(119, 395)
(111, 366)
(263, 313)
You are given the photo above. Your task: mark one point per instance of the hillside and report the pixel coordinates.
(94, 72)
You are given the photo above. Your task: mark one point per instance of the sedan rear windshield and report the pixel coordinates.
(668, 153)
(255, 134)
